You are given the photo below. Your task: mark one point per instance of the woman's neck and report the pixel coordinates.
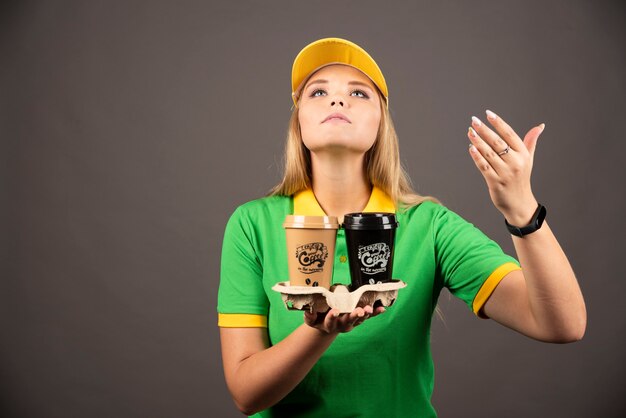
(340, 183)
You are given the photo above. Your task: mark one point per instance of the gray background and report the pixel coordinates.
(131, 130)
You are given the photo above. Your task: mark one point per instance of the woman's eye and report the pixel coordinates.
(318, 93)
(360, 93)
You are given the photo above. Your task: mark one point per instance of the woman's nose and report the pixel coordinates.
(334, 102)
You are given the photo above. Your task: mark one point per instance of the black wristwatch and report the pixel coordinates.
(535, 223)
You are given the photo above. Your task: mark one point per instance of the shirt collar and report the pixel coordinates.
(305, 203)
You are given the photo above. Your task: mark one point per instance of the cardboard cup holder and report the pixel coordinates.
(319, 299)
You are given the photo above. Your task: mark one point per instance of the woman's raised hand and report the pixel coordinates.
(506, 162)
(333, 322)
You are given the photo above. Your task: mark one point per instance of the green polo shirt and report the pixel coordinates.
(383, 367)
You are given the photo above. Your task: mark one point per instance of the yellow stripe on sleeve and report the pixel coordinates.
(241, 321)
(490, 285)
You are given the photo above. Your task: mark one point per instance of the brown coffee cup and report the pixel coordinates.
(311, 249)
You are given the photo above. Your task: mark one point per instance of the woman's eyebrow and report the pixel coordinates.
(318, 81)
(359, 83)
(351, 83)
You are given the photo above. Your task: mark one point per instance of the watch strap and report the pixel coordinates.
(535, 223)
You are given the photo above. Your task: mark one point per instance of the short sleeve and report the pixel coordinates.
(241, 299)
(471, 264)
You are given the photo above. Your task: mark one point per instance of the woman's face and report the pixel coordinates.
(339, 110)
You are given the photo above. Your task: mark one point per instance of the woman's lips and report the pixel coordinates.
(337, 117)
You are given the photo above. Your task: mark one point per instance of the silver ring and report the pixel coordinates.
(506, 151)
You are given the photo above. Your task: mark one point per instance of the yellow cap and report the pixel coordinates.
(328, 51)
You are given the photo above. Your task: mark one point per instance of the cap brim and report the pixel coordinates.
(329, 51)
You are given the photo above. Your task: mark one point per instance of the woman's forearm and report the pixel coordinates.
(259, 377)
(267, 376)
(554, 295)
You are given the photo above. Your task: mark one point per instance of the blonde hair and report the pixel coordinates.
(382, 163)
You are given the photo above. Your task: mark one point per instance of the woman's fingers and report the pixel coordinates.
(333, 321)
(530, 140)
(315, 319)
(378, 311)
(330, 320)
(492, 139)
(360, 315)
(310, 318)
(493, 148)
(484, 156)
(504, 132)
(356, 317)
(505, 161)
(504, 151)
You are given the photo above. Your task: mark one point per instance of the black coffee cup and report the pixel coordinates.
(370, 238)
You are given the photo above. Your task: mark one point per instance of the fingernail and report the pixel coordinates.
(491, 115)
(542, 126)
(472, 148)
(471, 132)
(336, 314)
(476, 121)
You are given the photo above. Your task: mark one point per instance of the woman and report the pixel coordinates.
(342, 157)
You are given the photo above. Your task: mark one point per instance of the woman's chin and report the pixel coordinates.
(340, 147)
(339, 150)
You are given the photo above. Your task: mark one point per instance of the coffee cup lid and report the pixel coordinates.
(311, 222)
(370, 220)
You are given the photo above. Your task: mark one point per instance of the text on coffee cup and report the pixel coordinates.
(374, 257)
(311, 257)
